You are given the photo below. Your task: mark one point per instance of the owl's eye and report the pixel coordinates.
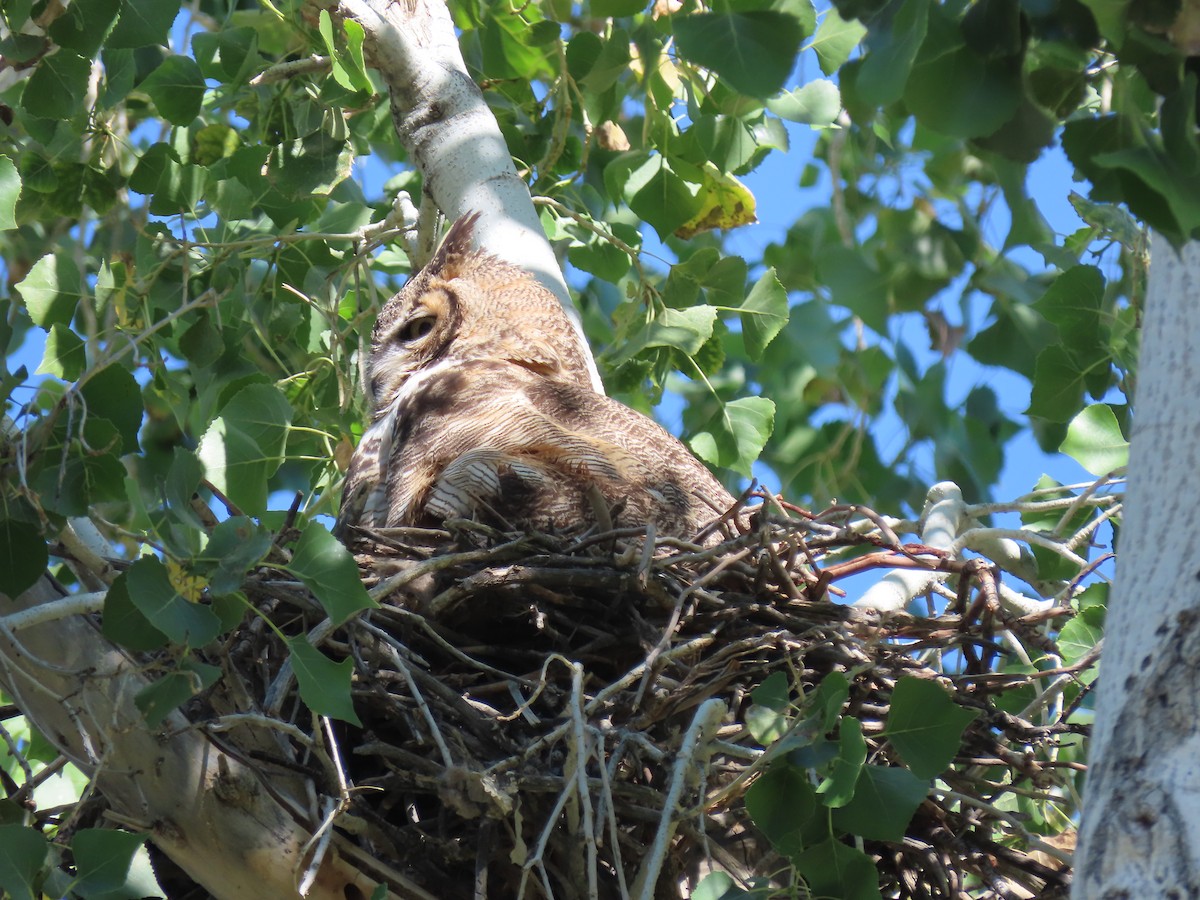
(417, 328)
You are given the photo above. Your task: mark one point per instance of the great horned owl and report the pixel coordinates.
(484, 409)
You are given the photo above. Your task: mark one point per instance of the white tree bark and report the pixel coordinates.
(453, 138)
(1141, 817)
(217, 818)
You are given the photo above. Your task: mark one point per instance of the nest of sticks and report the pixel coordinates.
(564, 716)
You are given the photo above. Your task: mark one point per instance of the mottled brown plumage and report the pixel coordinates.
(484, 409)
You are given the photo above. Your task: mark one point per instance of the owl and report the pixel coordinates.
(484, 409)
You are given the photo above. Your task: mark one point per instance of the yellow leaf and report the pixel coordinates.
(725, 203)
(190, 587)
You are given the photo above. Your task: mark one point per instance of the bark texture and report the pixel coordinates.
(230, 829)
(1141, 822)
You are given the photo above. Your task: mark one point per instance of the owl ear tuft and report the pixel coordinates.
(456, 247)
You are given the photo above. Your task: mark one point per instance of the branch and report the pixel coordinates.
(230, 831)
(944, 512)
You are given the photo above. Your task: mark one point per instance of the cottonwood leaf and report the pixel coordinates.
(735, 436)
(243, 447)
(838, 787)
(52, 290)
(23, 555)
(158, 700)
(764, 314)
(102, 859)
(925, 725)
(816, 103)
(885, 799)
(833, 869)
(177, 89)
(754, 51)
(22, 852)
(151, 591)
(10, 190)
(326, 567)
(1094, 440)
(324, 685)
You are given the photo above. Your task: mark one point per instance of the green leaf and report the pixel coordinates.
(657, 195)
(183, 480)
(1058, 384)
(735, 437)
(615, 9)
(102, 859)
(855, 282)
(57, 88)
(22, 853)
(314, 164)
(82, 472)
(23, 555)
(891, 50)
(835, 40)
(1110, 18)
(337, 70)
(838, 787)
(1073, 304)
(767, 718)
(83, 26)
(1094, 440)
(685, 330)
(355, 36)
(112, 394)
(884, 802)
(324, 684)
(243, 447)
(348, 69)
(52, 290)
(158, 700)
(1079, 636)
(184, 623)
(142, 23)
(10, 190)
(753, 51)
(64, 355)
(831, 869)
(829, 698)
(962, 95)
(124, 624)
(816, 103)
(925, 725)
(227, 55)
(783, 804)
(177, 89)
(326, 567)
(764, 314)
(717, 886)
(235, 547)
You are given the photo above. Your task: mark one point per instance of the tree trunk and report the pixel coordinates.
(1141, 821)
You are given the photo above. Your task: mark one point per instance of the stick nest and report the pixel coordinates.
(566, 716)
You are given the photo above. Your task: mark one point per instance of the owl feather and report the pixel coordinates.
(484, 409)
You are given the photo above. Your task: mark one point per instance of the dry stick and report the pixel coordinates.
(602, 697)
(426, 712)
(1083, 498)
(580, 756)
(691, 758)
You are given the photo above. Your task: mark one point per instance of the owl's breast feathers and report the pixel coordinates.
(501, 442)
